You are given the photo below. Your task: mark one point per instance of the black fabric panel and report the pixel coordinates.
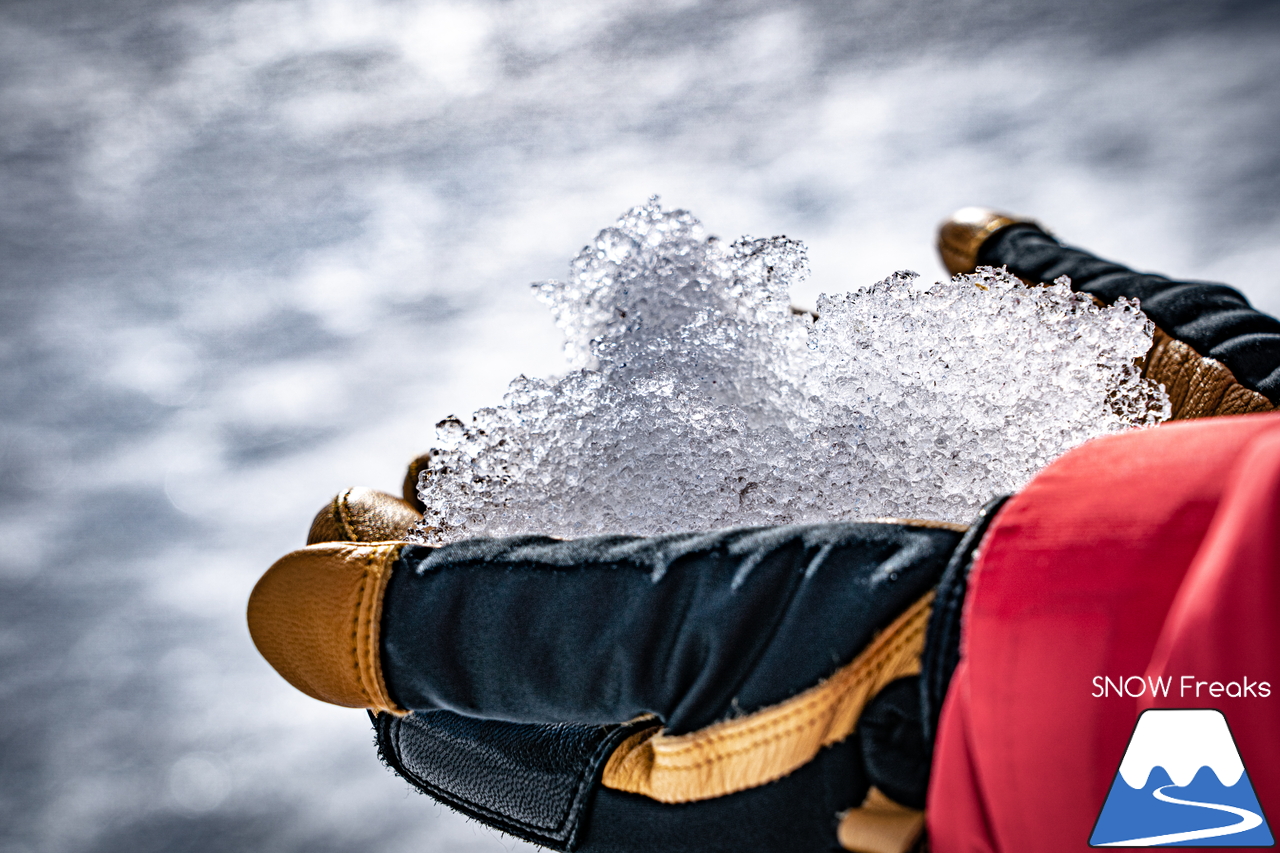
(1215, 320)
(532, 781)
(891, 738)
(942, 637)
(689, 627)
(546, 644)
(867, 582)
(796, 814)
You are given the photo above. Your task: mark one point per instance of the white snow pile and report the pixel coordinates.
(700, 400)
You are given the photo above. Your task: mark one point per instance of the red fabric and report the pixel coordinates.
(1154, 552)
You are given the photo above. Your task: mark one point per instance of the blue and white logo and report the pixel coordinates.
(1181, 783)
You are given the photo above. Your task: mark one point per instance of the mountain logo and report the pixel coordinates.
(1181, 782)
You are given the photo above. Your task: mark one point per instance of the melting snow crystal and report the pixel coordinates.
(699, 400)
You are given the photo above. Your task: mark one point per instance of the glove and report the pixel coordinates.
(1212, 351)
(732, 690)
(682, 692)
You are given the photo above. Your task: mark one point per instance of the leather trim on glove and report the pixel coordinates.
(770, 743)
(316, 616)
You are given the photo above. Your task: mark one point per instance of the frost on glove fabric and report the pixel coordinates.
(523, 660)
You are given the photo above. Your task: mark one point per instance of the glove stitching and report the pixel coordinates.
(679, 770)
(355, 630)
(342, 511)
(371, 638)
(371, 626)
(712, 740)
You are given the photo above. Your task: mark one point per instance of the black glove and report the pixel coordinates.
(685, 692)
(702, 692)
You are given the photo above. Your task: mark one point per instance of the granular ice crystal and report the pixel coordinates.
(698, 399)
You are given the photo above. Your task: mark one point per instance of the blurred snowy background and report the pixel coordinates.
(251, 251)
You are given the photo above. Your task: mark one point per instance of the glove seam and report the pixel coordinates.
(355, 633)
(341, 514)
(366, 655)
(652, 766)
(802, 709)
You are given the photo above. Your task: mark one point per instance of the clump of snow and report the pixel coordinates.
(700, 400)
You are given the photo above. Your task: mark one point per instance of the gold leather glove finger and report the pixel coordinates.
(361, 514)
(316, 615)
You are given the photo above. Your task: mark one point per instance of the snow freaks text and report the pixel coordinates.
(1182, 687)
